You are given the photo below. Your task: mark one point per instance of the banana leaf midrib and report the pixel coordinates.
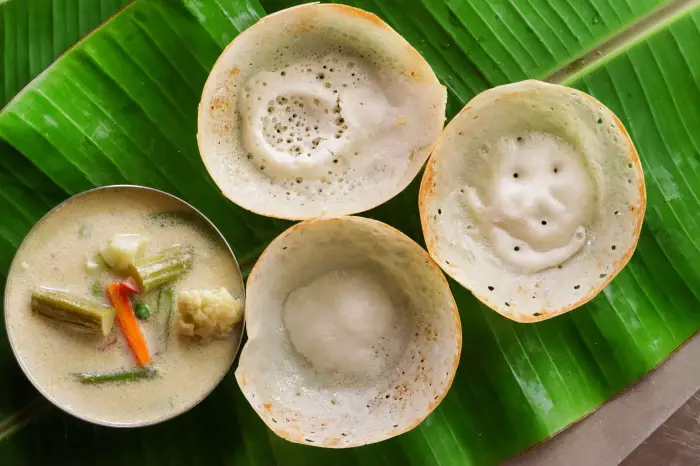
(621, 41)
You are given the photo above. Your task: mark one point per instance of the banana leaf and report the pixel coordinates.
(121, 107)
(35, 32)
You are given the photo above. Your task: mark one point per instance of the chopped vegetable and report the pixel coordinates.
(142, 311)
(165, 302)
(130, 286)
(207, 314)
(97, 289)
(122, 250)
(73, 311)
(118, 294)
(122, 376)
(151, 272)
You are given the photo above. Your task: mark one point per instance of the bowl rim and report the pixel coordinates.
(27, 373)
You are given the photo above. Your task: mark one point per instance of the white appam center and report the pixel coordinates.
(538, 202)
(311, 117)
(344, 323)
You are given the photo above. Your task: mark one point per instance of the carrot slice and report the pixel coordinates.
(117, 293)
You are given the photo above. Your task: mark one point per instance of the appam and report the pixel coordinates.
(353, 334)
(316, 110)
(533, 199)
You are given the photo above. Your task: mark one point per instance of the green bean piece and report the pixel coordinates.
(166, 266)
(121, 376)
(168, 308)
(73, 311)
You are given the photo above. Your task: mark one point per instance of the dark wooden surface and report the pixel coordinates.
(675, 443)
(656, 422)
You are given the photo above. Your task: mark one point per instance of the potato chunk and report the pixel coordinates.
(122, 250)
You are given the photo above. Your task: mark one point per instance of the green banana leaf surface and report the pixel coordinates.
(121, 106)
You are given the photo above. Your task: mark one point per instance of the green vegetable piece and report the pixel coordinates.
(142, 311)
(122, 376)
(152, 272)
(73, 311)
(97, 289)
(165, 297)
